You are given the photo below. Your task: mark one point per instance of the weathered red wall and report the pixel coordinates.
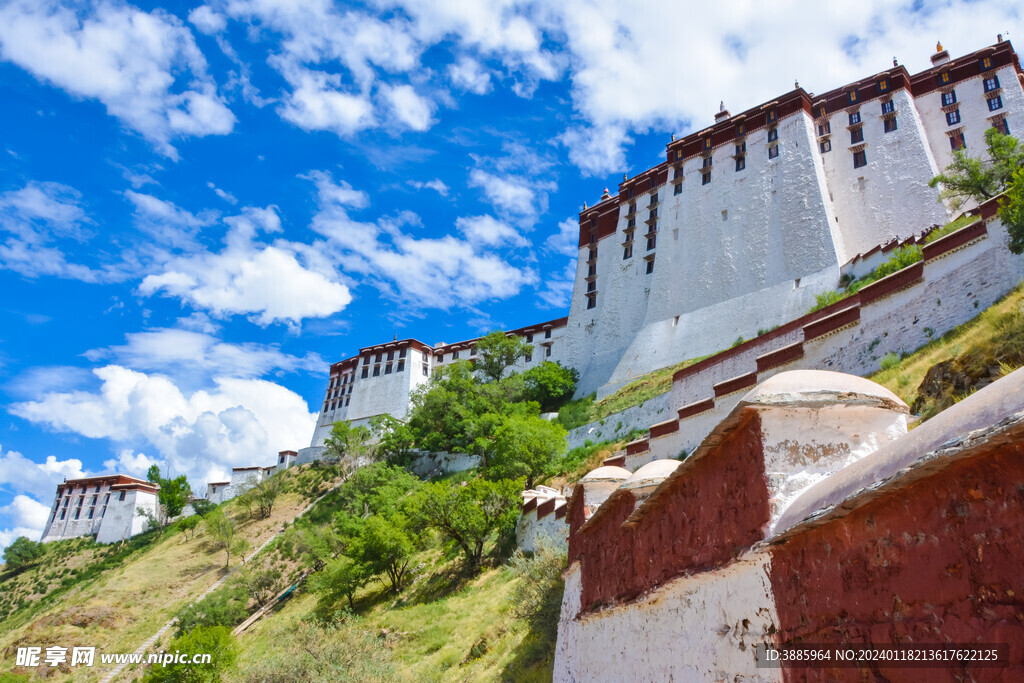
(716, 509)
(940, 560)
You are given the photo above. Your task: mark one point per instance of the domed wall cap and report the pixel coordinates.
(607, 473)
(651, 474)
(818, 388)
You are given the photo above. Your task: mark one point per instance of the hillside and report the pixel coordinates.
(115, 598)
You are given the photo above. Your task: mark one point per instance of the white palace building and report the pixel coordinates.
(738, 230)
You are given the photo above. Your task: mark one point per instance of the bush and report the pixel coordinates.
(213, 640)
(576, 413)
(227, 606)
(890, 360)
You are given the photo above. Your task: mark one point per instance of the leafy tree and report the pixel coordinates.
(524, 446)
(386, 546)
(262, 583)
(1011, 213)
(350, 446)
(395, 440)
(213, 640)
(470, 513)
(227, 606)
(22, 552)
(497, 352)
(202, 506)
(316, 545)
(979, 179)
(550, 385)
(189, 524)
(225, 536)
(444, 409)
(375, 489)
(173, 495)
(341, 578)
(265, 494)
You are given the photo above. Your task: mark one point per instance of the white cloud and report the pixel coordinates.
(236, 422)
(166, 223)
(468, 74)
(37, 217)
(144, 67)
(429, 273)
(411, 109)
(133, 464)
(178, 351)
(206, 20)
(28, 517)
(489, 231)
(317, 102)
(223, 194)
(566, 241)
(246, 277)
(557, 289)
(437, 185)
(18, 474)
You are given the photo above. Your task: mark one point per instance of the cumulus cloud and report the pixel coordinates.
(166, 223)
(318, 101)
(430, 272)
(468, 74)
(183, 352)
(143, 66)
(18, 474)
(203, 433)
(410, 109)
(273, 283)
(134, 464)
(27, 517)
(566, 241)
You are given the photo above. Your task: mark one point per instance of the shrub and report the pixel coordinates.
(224, 607)
(213, 640)
(890, 360)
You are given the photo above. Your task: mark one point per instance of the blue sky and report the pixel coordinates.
(202, 206)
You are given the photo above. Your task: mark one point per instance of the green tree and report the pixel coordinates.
(350, 446)
(1011, 212)
(213, 640)
(550, 385)
(980, 178)
(497, 352)
(443, 410)
(341, 577)
(375, 489)
(386, 546)
(316, 545)
(261, 583)
(224, 535)
(22, 552)
(202, 506)
(265, 494)
(173, 495)
(470, 513)
(189, 524)
(524, 446)
(395, 440)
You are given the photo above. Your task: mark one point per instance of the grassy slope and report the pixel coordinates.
(122, 607)
(972, 341)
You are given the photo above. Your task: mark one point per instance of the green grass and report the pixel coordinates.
(585, 410)
(993, 340)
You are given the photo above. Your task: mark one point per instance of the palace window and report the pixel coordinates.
(888, 107)
(740, 129)
(387, 369)
(455, 355)
(948, 98)
(852, 96)
(547, 334)
(889, 125)
(883, 85)
(401, 366)
(651, 242)
(365, 373)
(426, 370)
(591, 286)
(391, 355)
(528, 358)
(705, 178)
(627, 251)
(366, 360)
(529, 338)
(822, 111)
(773, 151)
(677, 173)
(376, 371)
(825, 146)
(1002, 126)
(678, 189)
(985, 63)
(773, 134)
(943, 78)
(956, 141)
(547, 351)
(62, 513)
(631, 223)
(706, 163)
(854, 118)
(401, 354)
(592, 301)
(953, 117)
(991, 83)
(650, 266)
(995, 103)
(772, 115)
(741, 163)
(592, 270)
(378, 358)
(860, 159)
(824, 128)
(121, 497)
(857, 135)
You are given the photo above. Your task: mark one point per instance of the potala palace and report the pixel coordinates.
(738, 230)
